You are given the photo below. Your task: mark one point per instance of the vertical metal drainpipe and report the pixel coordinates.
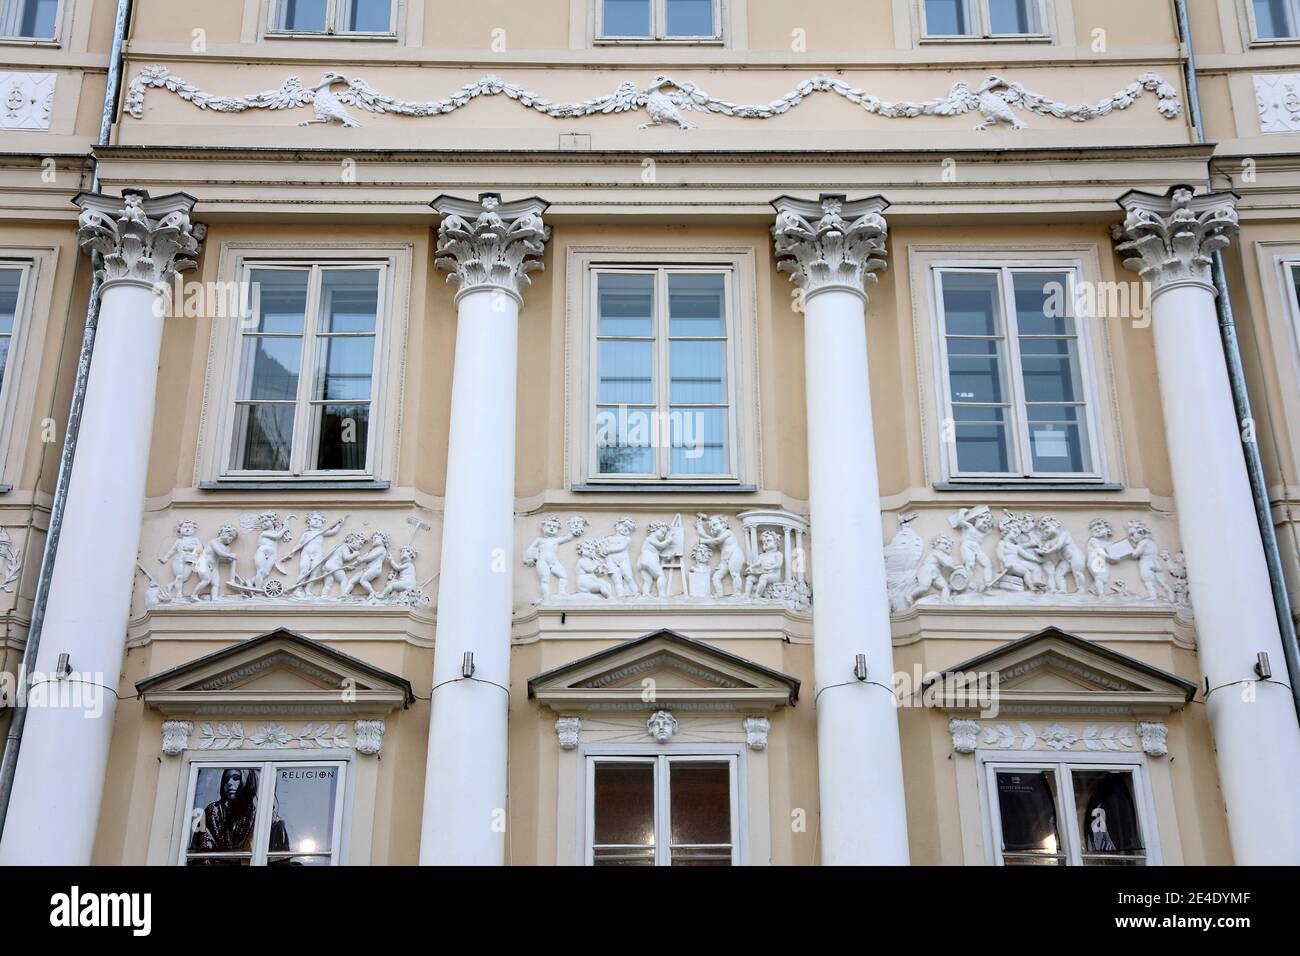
(1241, 396)
(18, 720)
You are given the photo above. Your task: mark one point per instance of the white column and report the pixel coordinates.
(59, 779)
(1169, 240)
(831, 248)
(489, 247)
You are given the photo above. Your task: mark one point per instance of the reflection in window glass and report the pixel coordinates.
(1027, 805)
(1109, 830)
(947, 18)
(1011, 17)
(307, 16)
(624, 814)
(689, 18)
(302, 816)
(701, 813)
(223, 816)
(1276, 19)
(626, 18)
(368, 16)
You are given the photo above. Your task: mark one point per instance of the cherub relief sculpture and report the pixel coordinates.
(543, 554)
(340, 573)
(719, 535)
(658, 540)
(617, 549)
(1038, 560)
(765, 569)
(591, 565)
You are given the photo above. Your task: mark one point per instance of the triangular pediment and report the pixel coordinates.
(681, 672)
(1053, 670)
(280, 670)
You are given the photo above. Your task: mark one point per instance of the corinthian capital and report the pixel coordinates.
(139, 239)
(1172, 239)
(830, 243)
(488, 244)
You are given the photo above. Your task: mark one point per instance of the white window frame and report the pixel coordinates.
(585, 263)
(1015, 384)
(333, 17)
(216, 460)
(978, 14)
(658, 26)
(266, 761)
(990, 763)
(1252, 25)
(663, 801)
(9, 14)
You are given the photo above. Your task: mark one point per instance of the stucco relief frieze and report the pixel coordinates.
(1172, 239)
(313, 735)
(1149, 736)
(26, 100)
(11, 562)
(1033, 560)
(765, 562)
(289, 564)
(665, 100)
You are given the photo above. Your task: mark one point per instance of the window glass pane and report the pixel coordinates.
(971, 303)
(975, 370)
(282, 299)
(1058, 438)
(626, 373)
(305, 15)
(625, 18)
(349, 300)
(624, 814)
(946, 18)
(1108, 816)
(346, 364)
(344, 432)
(1043, 304)
(270, 368)
(690, 18)
(982, 438)
(1013, 16)
(10, 282)
(625, 458)
(695, 304)
(626, 305)
(1051, 370)
(369, 16)
(37, 19)
(263, 437)
(302, 816)
(223, 816)
(698, 372)
(699, 441)
(701, 805)
(1027, 805)
(1273, 20)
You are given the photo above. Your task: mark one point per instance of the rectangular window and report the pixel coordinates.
(662, 811)
(663, 395)
(29, 19)
(333, 16)
(1013, 367)
(982, 18)
(1277, 19)
(13, 282)
(1066, 814)
(658, 20)
(287, 813)
(307, 369)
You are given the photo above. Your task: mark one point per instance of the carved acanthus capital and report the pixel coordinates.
(139, 239)
(830, 243)
(1171, 240)
(488, 244)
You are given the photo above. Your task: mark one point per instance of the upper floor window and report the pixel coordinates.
(662, 811)
(333, 16)
(658, 20)
(1014, 367)
(1068, 814)
(13, 280)
(663, 388)
(983, 18)
(1277, 19)
(307, 369)
(264, 814)
(29, 19)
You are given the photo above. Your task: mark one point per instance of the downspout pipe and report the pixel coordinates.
(18, 720)
(1241, 396)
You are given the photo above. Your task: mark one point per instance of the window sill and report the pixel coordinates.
(355, 37)
(48, 42)
(1034, 38)
(1277, 41)
(666, 488)
(309, 484)
(996, 485)
(653, 41)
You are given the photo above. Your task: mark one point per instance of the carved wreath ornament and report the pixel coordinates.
(664, 100)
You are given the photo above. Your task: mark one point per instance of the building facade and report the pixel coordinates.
(649, 431)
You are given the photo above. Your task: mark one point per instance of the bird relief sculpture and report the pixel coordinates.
(764, 563)
(1035, 560)
(664, 100)
(360, 568)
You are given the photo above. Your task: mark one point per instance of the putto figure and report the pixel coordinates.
(184, 555)
(1099, 556)
(719, 535)
(931, 572)
(373, 561)
(975, 525)
(764, 569)
(658, 539)
(209, 567)
(1022, 562)
(341, 560)
(1147, 555)
(544, 553)
(616, 548)
(311, 549)
(1062, 556)
(591, 565)
(267, 557)
(402, 580)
